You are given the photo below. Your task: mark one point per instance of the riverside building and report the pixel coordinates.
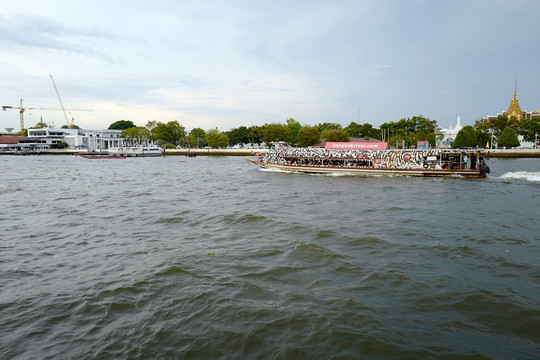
(49, 138)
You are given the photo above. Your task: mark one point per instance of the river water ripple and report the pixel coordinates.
(208, 258)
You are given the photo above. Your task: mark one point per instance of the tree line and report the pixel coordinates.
(503, 130)
(171, 134)
(404, 133)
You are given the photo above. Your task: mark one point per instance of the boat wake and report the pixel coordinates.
(275, 170)
(521, 175)
(330, 174)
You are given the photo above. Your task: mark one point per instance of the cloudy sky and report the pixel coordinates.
(230, 63)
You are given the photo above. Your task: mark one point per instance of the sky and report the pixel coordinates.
(226, 64)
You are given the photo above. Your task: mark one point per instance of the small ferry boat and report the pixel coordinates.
(101, 155)
(369, 160)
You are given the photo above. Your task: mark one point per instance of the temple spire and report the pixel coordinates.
(514, 109)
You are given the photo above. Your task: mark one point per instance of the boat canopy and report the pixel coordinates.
(379, 145)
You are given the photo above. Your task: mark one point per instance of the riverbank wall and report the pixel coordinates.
(488, 153)
(215, 152)
(511, 153)
(168, 152)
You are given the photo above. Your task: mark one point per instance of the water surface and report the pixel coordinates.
(208, 257)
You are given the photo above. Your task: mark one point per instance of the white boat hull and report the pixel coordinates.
(137, 151)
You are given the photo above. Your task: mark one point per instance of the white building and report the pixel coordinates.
(449, 135)
(48, 138)
(95, 139)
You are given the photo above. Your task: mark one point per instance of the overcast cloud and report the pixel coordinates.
(226, 64)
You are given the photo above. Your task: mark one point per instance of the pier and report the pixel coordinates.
(511, 153)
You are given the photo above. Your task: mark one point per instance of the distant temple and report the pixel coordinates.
(514, 110)
(449, 135)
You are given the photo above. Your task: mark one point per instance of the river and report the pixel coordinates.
(210, 258)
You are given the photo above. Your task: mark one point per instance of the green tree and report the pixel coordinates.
(136, 135)
(328, 126)
(508, 138)
(239, 136)
(432, 140)
(293, 126)
(362, 131)
(161, 133)
(216, 139)
(197, 138)
(256, 134)
(274, 133)
(466, 137)
(413, 139)
(121, 125)
(169, 133)
(481, 124)
(399, 139)
(414, 124)
(529, 128)
(335, 135)
(144, 133)
(483, 138)
(498, 124)
(129, 135)
(177, 131)
(355, 130)
(150, 126)
(308, 136)
(424, 124)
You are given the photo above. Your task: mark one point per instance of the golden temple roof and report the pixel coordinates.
(514, 109)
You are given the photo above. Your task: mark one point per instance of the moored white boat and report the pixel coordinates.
(137, 151)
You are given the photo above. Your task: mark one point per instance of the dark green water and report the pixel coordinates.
(109, 259)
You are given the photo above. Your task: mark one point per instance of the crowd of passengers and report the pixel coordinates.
(357, 163)
(329, 158)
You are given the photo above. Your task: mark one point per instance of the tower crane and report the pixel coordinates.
(22, 109)
(21, 112)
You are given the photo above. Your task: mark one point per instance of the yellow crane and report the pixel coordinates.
(21, 112)
(22, 109)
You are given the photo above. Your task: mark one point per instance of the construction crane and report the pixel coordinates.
(69, 123)
(21, 112)
(22, 109)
